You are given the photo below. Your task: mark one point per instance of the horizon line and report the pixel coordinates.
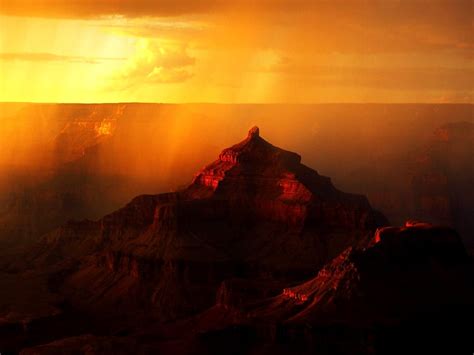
(233, 103)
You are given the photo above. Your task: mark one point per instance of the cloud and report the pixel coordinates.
(155, 63)
(378, 46)
(51, 57)
(163, 29)
(95, 8)
(317, 25)
(374, 77)
(384, 10)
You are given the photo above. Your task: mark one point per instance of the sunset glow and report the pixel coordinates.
(211, 51)
(195, 177)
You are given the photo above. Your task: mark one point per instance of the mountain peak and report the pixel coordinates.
(253, 157)
(280, 186)
(254, 132)
(257, 150)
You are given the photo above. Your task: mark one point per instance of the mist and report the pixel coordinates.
(83, 161)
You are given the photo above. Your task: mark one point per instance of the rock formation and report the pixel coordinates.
(229, 264)
(411, 289)
(255, 213)
(413, 278)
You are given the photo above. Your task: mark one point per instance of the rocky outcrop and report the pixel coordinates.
(229, 256)
(411, 288)
(271, 183)
(235, 293)
(79, 135)
(256, 212)
(395, 272)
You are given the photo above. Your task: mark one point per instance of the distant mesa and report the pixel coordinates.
(455, 130)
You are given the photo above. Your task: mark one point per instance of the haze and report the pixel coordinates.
(358, 88)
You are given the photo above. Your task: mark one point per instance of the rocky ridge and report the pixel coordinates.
(256, 212)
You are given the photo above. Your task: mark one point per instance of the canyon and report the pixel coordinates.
(259, 253)
(69, 161)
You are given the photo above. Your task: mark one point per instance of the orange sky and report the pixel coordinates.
(236, 51)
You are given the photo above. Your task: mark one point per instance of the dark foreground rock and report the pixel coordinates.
(409, 291)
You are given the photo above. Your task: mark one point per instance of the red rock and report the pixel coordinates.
(418, 266)
(255, 210)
